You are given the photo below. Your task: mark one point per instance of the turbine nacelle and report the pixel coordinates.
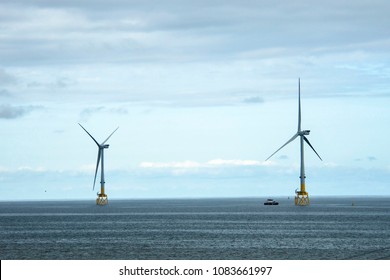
(105, 146)
(304, 132)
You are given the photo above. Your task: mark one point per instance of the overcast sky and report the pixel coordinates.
(202, 91)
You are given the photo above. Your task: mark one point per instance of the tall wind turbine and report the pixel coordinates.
(102, 197)
(302, 196)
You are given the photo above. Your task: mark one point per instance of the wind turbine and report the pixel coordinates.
(102, 197)
(302, 196)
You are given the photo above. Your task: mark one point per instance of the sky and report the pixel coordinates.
(202, 91)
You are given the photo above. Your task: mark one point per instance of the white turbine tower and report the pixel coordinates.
(302, 196)
(102, 197)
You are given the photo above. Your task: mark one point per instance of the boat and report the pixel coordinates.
(271, 202)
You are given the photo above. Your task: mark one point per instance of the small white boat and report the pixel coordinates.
(271, 202)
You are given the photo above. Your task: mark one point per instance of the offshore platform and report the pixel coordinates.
(301, 196)
(102, 198)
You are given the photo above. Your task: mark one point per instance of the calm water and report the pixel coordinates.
(331, 228)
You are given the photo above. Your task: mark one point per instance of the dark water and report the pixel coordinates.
(331, 228)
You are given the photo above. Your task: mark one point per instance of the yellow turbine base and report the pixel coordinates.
(302, 199)
(102, 199)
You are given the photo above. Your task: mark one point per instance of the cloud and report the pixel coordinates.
(24, 168)
(209, 48)
(4, 169)
(369, 158)
(182, 164)
(283, 157)
(6, 78)
(216, 168)
(14, 112)
(235, 162)
(253, 99)
(209, 164)
(57, 83)
(83, 31)
(38, 169)
(87, 113)
(5, 93)
(62, 82)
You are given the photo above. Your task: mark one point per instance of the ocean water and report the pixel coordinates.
(201, 229)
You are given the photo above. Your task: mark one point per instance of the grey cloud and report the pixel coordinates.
(203, 30)
(14, 112)
(166, 40)
(119, 110)
(369, 158)
(5, 93)
(283, 157)
(62, 82)
(6, 78)
(59, 83)
(253, 99)
(87, 113)
(34, 84)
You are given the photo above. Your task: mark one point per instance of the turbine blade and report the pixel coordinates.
(110, 136)
(89, 134)
(292, 139)
(299, 105)
(307, 141)
(97, 167)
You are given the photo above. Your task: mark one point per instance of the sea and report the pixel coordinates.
(331, 228)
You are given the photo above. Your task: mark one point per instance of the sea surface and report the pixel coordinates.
(202, 229)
